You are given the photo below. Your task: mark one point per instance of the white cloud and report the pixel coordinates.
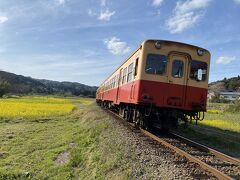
(106, 15)
(186, 14)
(3, 19)
(117, 47)
(225, 59)
(157, 3)
(237, 1)
(61, 2)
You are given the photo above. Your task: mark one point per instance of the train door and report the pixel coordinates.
(118, 85)
(177, 79)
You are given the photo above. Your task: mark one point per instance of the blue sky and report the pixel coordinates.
(84, 41)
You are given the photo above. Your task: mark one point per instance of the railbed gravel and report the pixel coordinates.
(151, 160)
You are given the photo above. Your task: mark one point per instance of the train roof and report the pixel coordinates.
(174, 42)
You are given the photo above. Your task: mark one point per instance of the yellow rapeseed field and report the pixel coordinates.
(35, 106)
(219, 118)
(233, 126)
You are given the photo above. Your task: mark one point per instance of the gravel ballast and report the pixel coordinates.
(148, 159)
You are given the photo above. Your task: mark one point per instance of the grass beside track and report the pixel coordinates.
(218, 117)
(30, 147)
(220, 129)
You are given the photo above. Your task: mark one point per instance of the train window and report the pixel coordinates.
(156, 64)
(130, 72)
(177, 68)
(118, 80)
(195, 66)
(136, 68)
(120, 77)
(124, 75)
(114, 81)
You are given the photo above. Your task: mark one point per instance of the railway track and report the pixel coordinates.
(218, 164)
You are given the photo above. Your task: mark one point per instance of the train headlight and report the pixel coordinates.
(200, 52)
(158, 45)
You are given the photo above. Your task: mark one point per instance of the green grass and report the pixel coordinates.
(223, 121)
(217, 116)
(216, 141)
(221, 129)
(30, 146)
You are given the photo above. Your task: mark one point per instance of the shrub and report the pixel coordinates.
(235, 107)
(219, 100)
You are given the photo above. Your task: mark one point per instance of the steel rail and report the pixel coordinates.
(207, 149)
(218, 174)
(202, 164)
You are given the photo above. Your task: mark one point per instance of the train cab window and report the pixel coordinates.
(156, 64)
(124, 75)
(177, 68)
(130, 72)
(195, 67)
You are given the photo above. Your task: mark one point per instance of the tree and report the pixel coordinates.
(4, 85)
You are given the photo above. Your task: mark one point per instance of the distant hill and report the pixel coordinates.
(18, 84)
(231, 84)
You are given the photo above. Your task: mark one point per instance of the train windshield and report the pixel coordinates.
(177, 68)
(156, 64)
(195, 67)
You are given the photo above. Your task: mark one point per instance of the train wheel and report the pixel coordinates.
(145, 123)
(121, 112)
(125, 114)
(135, 118)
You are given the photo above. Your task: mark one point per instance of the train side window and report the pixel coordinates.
(130, 72)
(114, 81)
(124, 75)
(195, 66)
(118, 80)
(136, 68)
(156, 64)
(177, 68)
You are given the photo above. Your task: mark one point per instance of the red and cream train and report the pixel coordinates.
(160, 83)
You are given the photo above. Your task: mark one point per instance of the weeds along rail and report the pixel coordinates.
(217, 163)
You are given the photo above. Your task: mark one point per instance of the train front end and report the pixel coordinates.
(174, 76)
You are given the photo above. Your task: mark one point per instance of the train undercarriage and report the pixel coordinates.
(147, 116)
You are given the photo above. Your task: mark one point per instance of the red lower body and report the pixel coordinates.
(160, 94)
